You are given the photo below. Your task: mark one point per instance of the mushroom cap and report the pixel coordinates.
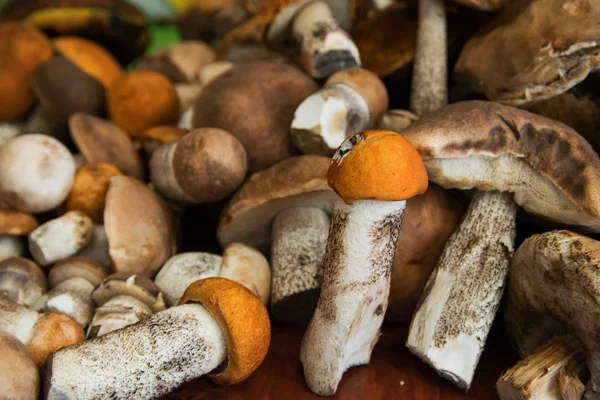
(22, 49)
(163, 134)
(294, 182)
(11, 246)
(140, 100)
(380, 165)
(36, 173)
(247, 266)
(19, 377)
(101, 141)
(122, 283)
(77, 267)
(551, 170)
(90, 57)
(532, 51)
(16, 223)
(187, 93)
(244, 321)
(25, 280)
(89, 189)
(255, 102)
(139, 227)
(53, 331)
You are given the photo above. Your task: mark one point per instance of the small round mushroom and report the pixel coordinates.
(206, 165)
(19, 376)
(36, 173)
(22, 281)
(351, 101)
(365, 224)
(41, 334)
(14, 226)
(221, 329)
(97, 248)
(61, 237)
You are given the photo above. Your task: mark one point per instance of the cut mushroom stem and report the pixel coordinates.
(460, 300)
(325, 47)
(299, 239)
(552, 372)
(429, 82)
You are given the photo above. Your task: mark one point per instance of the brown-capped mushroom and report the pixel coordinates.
(351, 101)
(206, 165)
(218, 324)
(255, 102)
(22, 281)
(19, 376)
(36, 173)
(60, 238)
(211, 71)
(14, 227)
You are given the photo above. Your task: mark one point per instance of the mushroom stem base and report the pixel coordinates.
(461, 298)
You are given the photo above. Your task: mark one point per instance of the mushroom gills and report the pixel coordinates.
(354, 294)
(117, 313)
(459, 302)
(142, 361)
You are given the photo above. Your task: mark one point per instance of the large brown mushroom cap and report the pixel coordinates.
(551, 170)
(532, 51)
(255, 102)
(16, 223)
(53, 331)
(19, 377)
(295, 182)
(139, 227)
(244, 321)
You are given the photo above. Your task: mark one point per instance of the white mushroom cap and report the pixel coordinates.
(247, 266)
(36, 173)
(22, 281)
(117, 313)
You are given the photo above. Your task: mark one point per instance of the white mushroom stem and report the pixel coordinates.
(142, 361)
(327, 118)
(11, 246)
(459, 302)
(163, 177)
(186, 118)
(429, 89)
(97, 248)
(354, 294)
(61, 237)
(552, 372)
(70, 297)
(325, 47)
(17, 320)
(299, 240)
(117, 313)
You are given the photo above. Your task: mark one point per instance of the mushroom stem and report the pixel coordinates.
(142, 361)
(354, 294)
(70, 297)
(459, 302)
(552, 372)
(11, 246)
(325, 47)
(429, 82)
(299, 239)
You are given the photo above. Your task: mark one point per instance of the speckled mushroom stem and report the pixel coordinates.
(299, 240)
(552, 372)
(142, 361)
(459, 302)
(325, 47)
(354, 294)
(429, 82)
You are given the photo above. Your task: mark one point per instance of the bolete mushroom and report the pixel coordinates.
(351, 101)
(206, 165)
(553, 289)
(36, 173)
(19, 376)
(22, 281)
(255, 102)
(366, 221)
(14, 227)
(220, 329)
(512, 157)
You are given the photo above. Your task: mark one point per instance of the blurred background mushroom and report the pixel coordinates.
(19, 376)
(22, 281)
(14, 228)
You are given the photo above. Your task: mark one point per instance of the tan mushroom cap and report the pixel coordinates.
(296, 182)
(139, 227)
(244, 321)
(27, 267)
(89, 189)
(16, 223)
(19, 377)
(551, 170)
(255, 102)
(532, 51)
(53, 331)
(101, 141)
(139, 287)
(77, 267)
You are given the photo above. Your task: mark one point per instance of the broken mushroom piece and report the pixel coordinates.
(351, 101)
(204, 166)
(221, 329)
(60, 238)
(19, 376)
(36, 173)
(512, 157)
(22, 281)
(41, 334)
(365, 225)
(14, 227)
(553, 288)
